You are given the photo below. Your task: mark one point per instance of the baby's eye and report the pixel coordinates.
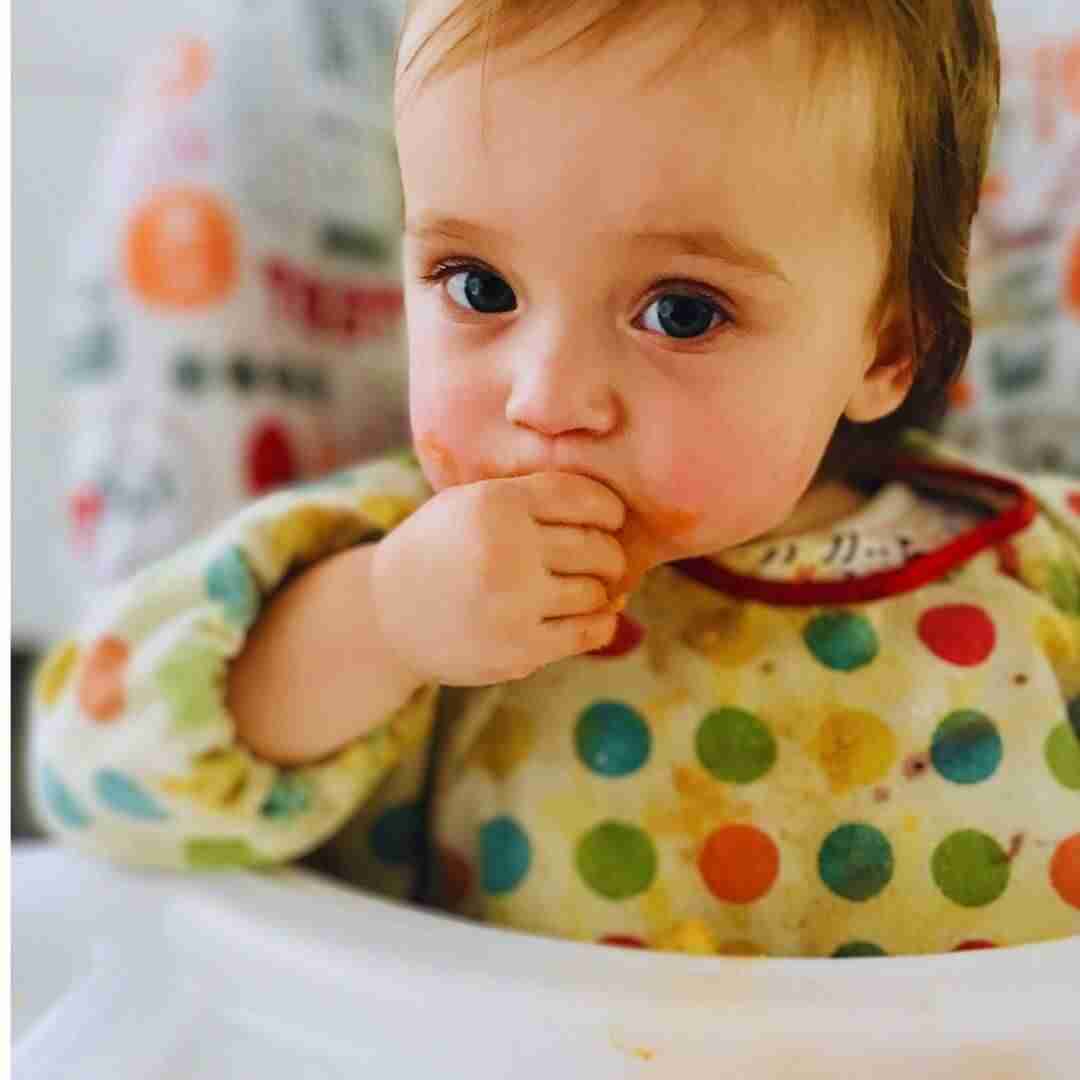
(480, 290)
(682, 316)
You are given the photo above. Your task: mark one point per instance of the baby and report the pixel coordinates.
(664, 636)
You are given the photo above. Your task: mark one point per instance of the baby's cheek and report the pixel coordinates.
(447, 427)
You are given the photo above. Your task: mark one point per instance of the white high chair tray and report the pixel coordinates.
(121, 974)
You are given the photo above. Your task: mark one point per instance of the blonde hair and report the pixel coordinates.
(935, 69)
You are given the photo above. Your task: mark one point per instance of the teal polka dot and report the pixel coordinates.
(229, 581)
(841, 640)
(852, 949)
(612, 739)
(67, 809)
(122, 794)
(616, 860)
(505, 855)
(970, 868)
(966, 747)
(735, 746)
(290, 795)
(397, 836)
(856, 862)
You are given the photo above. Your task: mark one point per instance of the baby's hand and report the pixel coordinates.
(491, 581)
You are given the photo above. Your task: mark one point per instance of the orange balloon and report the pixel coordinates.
(181, 250)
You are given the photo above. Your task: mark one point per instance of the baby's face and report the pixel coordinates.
(666, 287)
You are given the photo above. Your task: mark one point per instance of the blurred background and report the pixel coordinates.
(205, 297)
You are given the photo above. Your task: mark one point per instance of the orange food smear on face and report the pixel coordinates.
(646, 536)
(441, 457)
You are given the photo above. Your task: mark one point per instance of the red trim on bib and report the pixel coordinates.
(919, 571)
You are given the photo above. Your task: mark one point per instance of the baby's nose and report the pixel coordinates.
(559, 396)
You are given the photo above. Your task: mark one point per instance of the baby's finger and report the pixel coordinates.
(574, 596)
(572, 549)
(578, 634)
(559, 498)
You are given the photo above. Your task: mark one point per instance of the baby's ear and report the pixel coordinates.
(889, 376)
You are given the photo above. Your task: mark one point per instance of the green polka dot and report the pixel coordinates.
(617, 861)
(221, 853)
(1064, 585)
(852, 949)
(290, 795)
(966, 747)
(190, 682)
(841, 640)
(612, 739)
(856, 862)
(505, 855)
(970, 868)
(1063, 756)
(229, 581)
(397, 836)
(735, 746)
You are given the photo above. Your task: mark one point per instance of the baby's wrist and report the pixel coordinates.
(393, 607)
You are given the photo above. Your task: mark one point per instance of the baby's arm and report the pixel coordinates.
(222, 711)
(136, 752)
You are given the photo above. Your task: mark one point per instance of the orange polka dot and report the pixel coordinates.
(181, 250)
(1065, 870)
(101, 686)
(739, 863)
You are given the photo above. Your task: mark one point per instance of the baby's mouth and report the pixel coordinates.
(649, 535)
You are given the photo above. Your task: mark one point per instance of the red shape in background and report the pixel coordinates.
(271, 460)
(85, 506)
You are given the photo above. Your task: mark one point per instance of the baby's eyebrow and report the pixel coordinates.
(715, 244)
(707, 242)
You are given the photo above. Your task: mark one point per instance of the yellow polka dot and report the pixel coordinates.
(854, 748)
(54, 673)
(217, 780)
(691, 936)
(504, 743)
(700, 801)
(729, 637)
(307, 532)
(386, 511)
(1059, 640)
